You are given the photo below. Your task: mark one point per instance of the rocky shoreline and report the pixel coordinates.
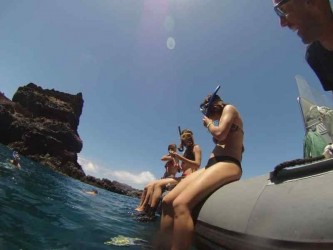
(42, 125)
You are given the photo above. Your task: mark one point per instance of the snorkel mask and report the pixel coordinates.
(204, 108)
(186, 137)
(16, 156)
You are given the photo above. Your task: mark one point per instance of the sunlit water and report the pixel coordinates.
(41, 209)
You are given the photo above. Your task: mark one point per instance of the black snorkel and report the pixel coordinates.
(181, 148)
(205, 108)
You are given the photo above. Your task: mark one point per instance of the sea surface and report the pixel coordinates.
(42, 209)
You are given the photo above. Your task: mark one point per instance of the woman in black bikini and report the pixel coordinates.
(223, 167)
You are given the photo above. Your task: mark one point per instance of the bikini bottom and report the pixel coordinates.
(217, 159)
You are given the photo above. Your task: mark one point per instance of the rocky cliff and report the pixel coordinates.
(42, 125)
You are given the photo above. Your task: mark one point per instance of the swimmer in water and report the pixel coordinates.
(15, 160)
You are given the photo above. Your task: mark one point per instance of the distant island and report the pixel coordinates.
(42, 125)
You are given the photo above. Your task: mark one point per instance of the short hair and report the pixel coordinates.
(172, 147)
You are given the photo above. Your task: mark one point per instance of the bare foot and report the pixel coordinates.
(139, 209)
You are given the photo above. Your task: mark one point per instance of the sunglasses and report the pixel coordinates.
(278, 10)
(205, 108)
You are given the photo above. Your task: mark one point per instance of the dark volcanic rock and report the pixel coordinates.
(112, 186)
(42, 125)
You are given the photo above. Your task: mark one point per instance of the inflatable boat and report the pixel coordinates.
(286, 209)
(289, 208)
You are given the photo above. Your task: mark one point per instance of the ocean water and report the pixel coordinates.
(41, 209)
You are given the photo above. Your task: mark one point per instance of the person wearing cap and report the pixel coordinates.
(223, 167)
(312, 20)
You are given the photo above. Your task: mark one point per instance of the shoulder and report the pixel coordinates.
(312, 50)
(230, 110)
(196, 148)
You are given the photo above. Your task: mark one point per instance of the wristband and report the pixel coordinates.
(209, 125)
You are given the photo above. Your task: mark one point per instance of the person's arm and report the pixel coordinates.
(167, 157)
(197, 157)
(221, 131)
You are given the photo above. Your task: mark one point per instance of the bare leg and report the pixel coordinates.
(157, 193)
(143, 196)
(206, 183)
(149, 188)
(166, 229)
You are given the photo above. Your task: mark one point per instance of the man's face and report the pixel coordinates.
(298, 17)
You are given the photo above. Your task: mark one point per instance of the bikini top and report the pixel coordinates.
(170, 164)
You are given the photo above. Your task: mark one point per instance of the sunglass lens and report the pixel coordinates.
(279, 12)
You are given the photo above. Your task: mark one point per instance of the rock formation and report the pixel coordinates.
(42, 125)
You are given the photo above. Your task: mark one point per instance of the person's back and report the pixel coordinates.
(313, 22)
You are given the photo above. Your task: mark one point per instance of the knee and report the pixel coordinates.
(150, 188)
(180, 207)
(236, 174)
(167, 202)
(158, 185)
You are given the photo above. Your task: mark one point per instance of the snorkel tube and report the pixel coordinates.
(205, 108)
(181, 147)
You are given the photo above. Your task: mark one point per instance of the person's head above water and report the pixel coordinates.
(309, 18)
(93, 192)
(16, 157)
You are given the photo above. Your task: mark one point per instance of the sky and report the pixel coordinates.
(144, 66)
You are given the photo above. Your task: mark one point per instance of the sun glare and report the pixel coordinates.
(171, 43)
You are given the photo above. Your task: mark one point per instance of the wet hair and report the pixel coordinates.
(217, 101)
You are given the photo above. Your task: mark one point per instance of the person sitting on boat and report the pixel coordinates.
(16, 160)
(223, 167)
(171, 168)
(191, 160)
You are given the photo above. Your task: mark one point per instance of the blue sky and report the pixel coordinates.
(144, 66)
